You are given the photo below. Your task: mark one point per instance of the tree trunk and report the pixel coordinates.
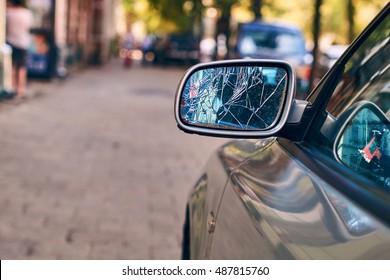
(351, 21)
(223, 25)
(256, 8)
(316, 36)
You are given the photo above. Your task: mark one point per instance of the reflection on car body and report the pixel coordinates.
(292, 208)
(314, 183)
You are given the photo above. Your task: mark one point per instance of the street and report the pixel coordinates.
(94, 167)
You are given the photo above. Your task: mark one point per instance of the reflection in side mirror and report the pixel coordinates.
(228, 96)
(245, 98)
(364, 144)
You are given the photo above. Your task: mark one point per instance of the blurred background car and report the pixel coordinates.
(331, 54)
(275, 41)
(181, 49)
(327, 58)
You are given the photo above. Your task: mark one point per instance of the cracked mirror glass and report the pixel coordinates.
(237, 98)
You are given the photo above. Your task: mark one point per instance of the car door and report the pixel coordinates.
(275, 207)
(328, 196)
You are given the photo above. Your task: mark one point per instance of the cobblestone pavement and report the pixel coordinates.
(94, 167)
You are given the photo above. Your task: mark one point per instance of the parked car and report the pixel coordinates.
(176, 48)
(331, 54)
(327, 58)
(312, 181)
(275, 41)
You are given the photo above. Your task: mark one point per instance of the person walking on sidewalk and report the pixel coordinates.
(19, 21)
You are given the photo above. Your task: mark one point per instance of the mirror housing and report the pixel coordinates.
(236, 98)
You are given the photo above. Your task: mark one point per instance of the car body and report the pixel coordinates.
(312, 181)
(266, 40)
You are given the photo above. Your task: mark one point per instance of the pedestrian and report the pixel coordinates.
(19, 21)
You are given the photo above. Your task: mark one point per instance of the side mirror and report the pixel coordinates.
(236, 98)
(363, 143)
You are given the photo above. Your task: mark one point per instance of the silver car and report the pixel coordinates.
(312, 178)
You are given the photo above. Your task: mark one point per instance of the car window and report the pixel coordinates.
(359, 110)
(366, 75)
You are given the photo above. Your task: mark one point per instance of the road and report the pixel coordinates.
(94, 167)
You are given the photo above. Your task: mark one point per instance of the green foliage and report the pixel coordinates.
(158, 16)
(164, 16)
(182, 14)
(168, 9)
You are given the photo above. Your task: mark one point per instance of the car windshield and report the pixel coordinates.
(268, 42)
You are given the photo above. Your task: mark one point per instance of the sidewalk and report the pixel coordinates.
(94, 167)
(35, 89)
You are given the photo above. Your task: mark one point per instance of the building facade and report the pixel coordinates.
(5, 55)
(77, 32)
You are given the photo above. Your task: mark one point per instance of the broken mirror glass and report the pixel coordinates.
(236, 97)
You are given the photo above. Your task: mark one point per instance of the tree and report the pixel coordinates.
(165, 16)
(223, 24)
(351, 20)
(256, 8)
(316, 36)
